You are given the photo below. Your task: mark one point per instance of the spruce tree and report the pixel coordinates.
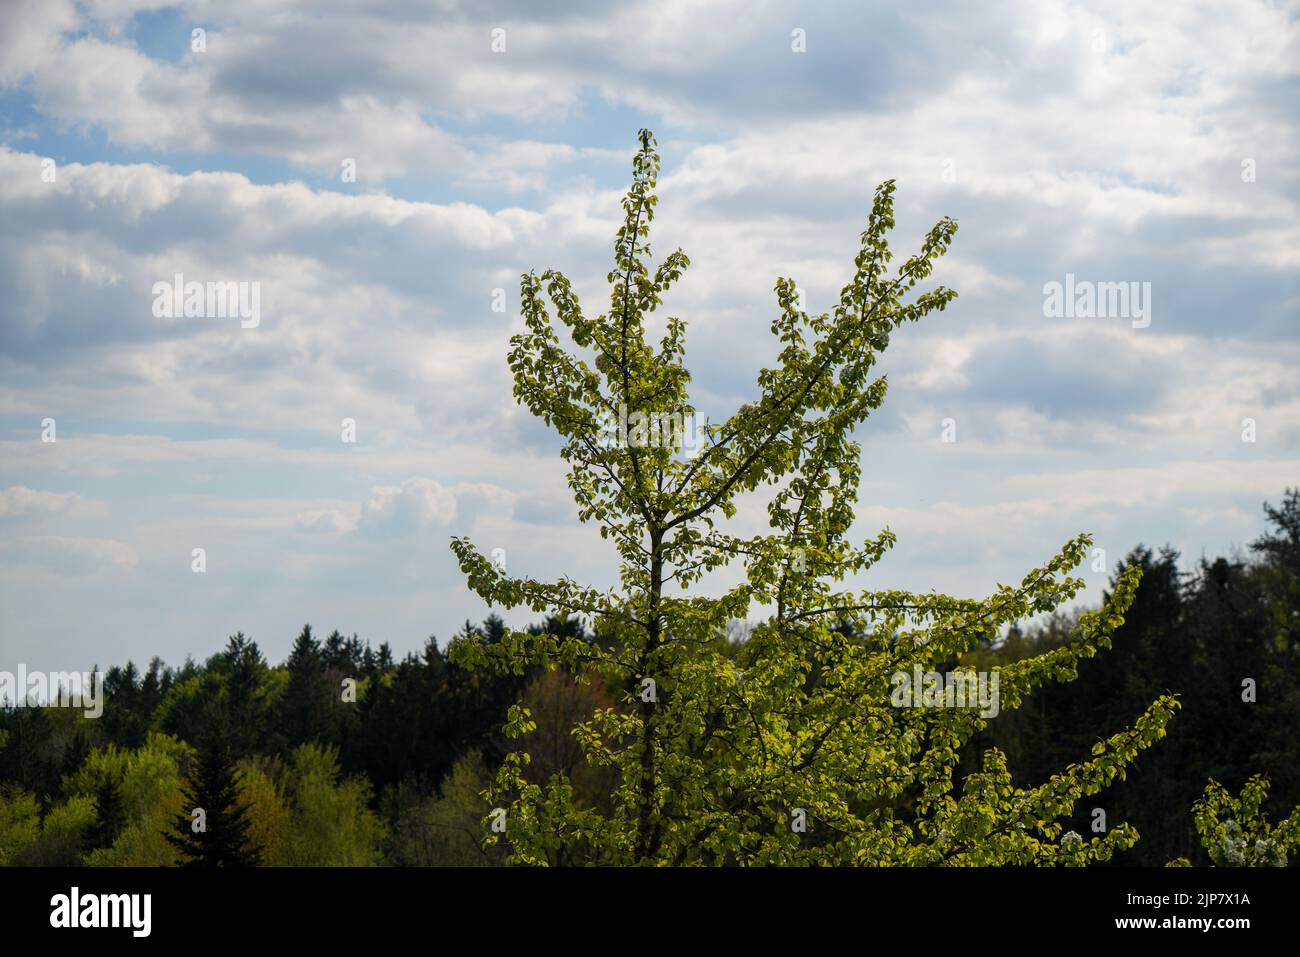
(212, 828)
(110, 813)
(305, 707)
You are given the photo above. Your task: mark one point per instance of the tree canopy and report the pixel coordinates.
(721, 757)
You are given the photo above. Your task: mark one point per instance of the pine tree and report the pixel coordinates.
(244, 669)
(110, 812)
(305, 707)
(212, 828)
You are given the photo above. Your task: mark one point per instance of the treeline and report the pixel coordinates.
(343, 755)
(339, 756)
(1225, 637)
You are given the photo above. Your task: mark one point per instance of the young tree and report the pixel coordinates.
(20, 823)
(331, 823)
(788, 750)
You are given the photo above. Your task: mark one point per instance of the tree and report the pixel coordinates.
(151, 786)
(212, 828)
(1282, 546)
(261, 790)
(557, 704)
(307, 704)
(110, 813)
(244, 669)
(64, 829)
(788, 750)
(331, 822)
(446, 830)
(1235, 831)
(1276, 574)
(20, 823)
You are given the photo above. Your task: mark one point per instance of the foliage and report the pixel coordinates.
(270, 820)
(1235, 832)
(148, 781)
(20, 823)
(717, 754)
(447, 830)
(1208, 635)
(331, 823)
(212, 829)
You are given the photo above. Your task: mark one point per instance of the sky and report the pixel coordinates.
(1156, 144)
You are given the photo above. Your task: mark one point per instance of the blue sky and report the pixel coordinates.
(1117, 142)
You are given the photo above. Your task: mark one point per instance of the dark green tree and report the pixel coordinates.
(246, 709)
(1276, 574)
(212, 829)
(306, 704)
(110, 812)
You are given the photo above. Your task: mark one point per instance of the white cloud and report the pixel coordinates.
(325, 522)
(1118, 163)
(417, 505)
(29, 35)
(18, 501)
(66, 555)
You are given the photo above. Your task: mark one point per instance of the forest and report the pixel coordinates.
(345, 755)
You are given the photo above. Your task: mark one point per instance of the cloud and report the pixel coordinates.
(29, 35)
(69, 556)
(1095, 138)
(324, 522)
(18, 501)
(417, 505)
